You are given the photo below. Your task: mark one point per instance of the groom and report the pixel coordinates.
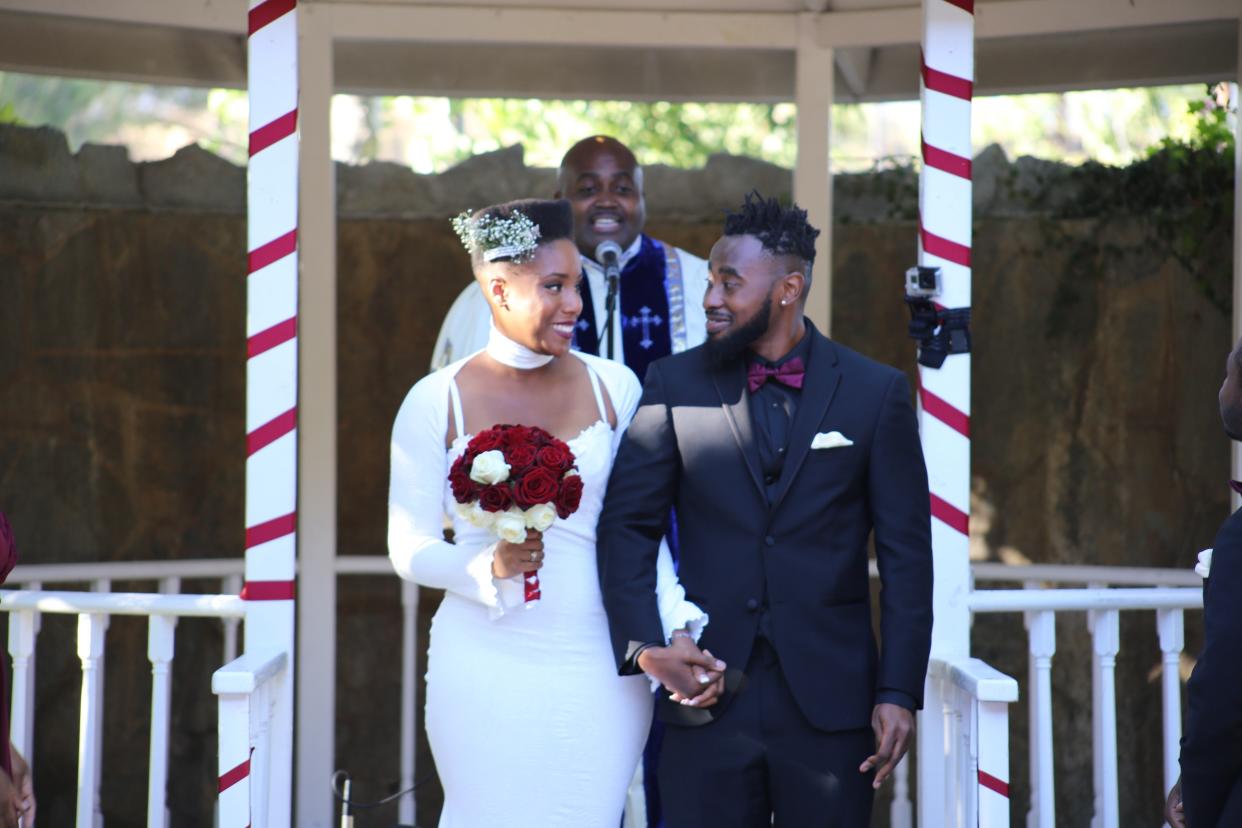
(782, 452)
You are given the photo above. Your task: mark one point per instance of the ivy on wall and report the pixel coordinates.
(1184, 189)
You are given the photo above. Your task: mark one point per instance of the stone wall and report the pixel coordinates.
(121, 430)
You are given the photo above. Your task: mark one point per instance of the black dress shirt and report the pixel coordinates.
(772, 410)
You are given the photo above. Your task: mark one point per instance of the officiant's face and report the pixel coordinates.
(538, 301)
(602, 180)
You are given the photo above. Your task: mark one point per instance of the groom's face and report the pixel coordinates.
(738, 302)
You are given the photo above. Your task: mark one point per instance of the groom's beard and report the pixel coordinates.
(728, 346)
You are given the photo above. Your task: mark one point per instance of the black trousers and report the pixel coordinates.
(763, 759)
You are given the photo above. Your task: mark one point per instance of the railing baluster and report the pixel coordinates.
(1106, 638)
(161, 636)
(952, 795)
(901, 812)
(1171, 626)
(103, 585)
(28, 735)
(90, 651)
(232, 586)
(1032, 706)
(21, 648)
(1043, 646)
(409, 694)
(1097, 724)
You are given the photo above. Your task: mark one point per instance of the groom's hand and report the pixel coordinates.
(893, 725)
(675, 666)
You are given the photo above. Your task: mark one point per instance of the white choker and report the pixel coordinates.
(507, 352)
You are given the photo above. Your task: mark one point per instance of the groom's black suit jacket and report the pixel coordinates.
(1212, 744)
(799, 562)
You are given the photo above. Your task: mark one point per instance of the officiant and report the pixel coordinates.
(642, 298)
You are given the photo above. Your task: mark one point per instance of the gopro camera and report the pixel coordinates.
(923, 281)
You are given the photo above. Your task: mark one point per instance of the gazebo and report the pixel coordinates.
(293, 56)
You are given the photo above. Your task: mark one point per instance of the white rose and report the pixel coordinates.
(540, 516)
(511, 526)
(1204, 566)
(489, 468)
(475, 515)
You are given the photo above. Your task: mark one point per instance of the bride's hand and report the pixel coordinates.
(513, 559)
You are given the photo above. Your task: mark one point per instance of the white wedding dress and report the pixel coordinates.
(528, 721)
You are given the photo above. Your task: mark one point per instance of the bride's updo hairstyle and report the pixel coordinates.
(512, 232)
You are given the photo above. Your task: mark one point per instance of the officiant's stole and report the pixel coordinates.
(652, 309)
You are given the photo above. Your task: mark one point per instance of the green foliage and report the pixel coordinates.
(661, 132)
(8, 114)
(1184, 188)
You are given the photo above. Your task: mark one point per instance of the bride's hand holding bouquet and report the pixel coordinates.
(515, 481)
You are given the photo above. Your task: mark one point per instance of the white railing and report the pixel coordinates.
(1102, 608)
(973, 726)
(93, 610)
(1167, 592)
(249, 688)
(168, 576)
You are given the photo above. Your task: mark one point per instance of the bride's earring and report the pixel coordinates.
(498, 290)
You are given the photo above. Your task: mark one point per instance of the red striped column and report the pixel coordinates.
(944, 242)
(271, 380)
(271, 321)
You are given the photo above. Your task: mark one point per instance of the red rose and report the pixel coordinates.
(518, 435)
(462, 485)
(540, 438)
(495, 498)
(484, 441)
(520, 458)
(556, 457)
(536, 486)
(570, 495)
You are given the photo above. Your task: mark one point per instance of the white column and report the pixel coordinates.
(317, 473)
(272, 428)
(944, 412)
(813, 93)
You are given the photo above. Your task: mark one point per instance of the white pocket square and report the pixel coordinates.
(830, 440)
(1204, 566)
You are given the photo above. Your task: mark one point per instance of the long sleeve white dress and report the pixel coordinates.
(529, 723)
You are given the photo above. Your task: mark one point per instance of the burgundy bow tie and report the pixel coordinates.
(791, 373)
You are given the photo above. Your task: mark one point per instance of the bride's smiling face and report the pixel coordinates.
(537, 303)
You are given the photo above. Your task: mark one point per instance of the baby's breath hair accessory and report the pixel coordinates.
(494, 237)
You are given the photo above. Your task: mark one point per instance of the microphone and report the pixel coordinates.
(608, 254)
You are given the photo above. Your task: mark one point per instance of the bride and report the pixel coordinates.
(528, 721)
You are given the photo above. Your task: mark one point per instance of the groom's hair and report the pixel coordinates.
(783, 231)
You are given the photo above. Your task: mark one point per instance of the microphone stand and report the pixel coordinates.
(610, 305)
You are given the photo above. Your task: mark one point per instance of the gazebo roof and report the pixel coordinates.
(644, 50)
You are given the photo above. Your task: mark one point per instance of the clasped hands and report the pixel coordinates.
(692, 676)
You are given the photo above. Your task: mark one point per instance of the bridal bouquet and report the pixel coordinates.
(512, 478)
